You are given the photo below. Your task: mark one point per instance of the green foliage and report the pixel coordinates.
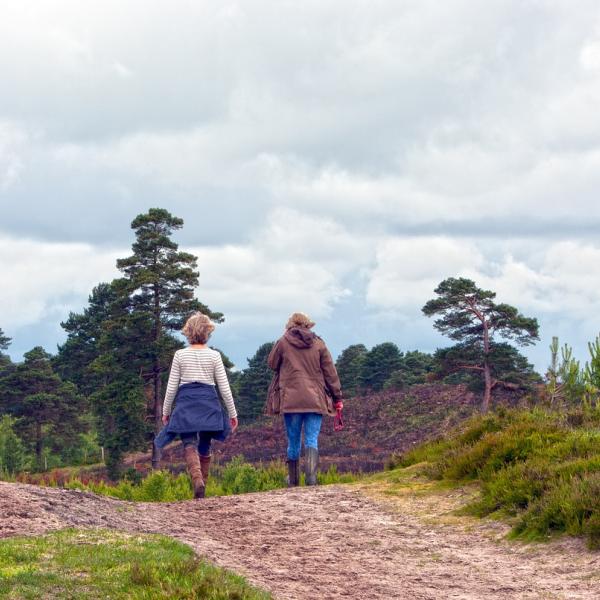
(379, 364)
(535, 465)
(49, 410)
(567, 383)
(414, 368)
(236, 477)
(159, 486)
(469, 315)
(75, 358)
(4, 341)
(349, 367)
(13, 455)
(253, 384)
(120, 407)
(75, 564)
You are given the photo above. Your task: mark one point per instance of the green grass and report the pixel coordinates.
(236, 477)
(538, 467)
(106, 564)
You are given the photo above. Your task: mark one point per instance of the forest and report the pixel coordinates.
(100, 395)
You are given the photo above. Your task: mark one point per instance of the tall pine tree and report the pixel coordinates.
(159, 282)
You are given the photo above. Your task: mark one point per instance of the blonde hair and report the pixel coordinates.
(198, 328)
(299, 319)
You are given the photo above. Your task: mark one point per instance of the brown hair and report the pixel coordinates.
(198, 328)
(299, 319)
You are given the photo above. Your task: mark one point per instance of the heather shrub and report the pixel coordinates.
(541, 466)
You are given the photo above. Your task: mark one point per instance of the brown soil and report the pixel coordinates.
(331, 542)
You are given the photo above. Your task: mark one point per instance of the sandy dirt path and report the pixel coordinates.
(328, 542)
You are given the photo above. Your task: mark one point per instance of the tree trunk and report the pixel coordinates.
(38, 443)
(156, 378)
(157, 414)
(487, 396)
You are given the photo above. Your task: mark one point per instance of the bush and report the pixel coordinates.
(542, 466)
(236, 477)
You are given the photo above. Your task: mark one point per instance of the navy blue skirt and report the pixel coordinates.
(197, 410)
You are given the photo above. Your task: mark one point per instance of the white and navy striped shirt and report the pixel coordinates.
(198, 364)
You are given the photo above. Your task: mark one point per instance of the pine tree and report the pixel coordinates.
(159, 282)
(84, 332)
(379, 364)
(469, 315)
(254, 383)
(48, 409)
(13, 456)
(4, 341)
(414, 368)
(349, 366)
(6, 367)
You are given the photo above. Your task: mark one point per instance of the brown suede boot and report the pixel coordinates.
(205, 467)
(192, 460)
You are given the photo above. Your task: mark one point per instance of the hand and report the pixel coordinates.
(165, 419)
(234, 424)
(339, 405)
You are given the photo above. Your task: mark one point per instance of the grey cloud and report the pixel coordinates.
(455, 119)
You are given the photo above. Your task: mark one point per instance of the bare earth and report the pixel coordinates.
(331, 542)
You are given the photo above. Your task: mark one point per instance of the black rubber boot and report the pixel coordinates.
(310, 466)
(293, 473)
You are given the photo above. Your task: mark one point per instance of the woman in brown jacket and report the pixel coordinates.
(309, 387)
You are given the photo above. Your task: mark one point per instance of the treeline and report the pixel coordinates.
(360, 370)
(101, 395)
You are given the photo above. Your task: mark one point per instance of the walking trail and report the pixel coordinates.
(331, 542)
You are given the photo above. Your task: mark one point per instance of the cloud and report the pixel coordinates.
(13, 140)
(43, 278)
(294, 262)
(344, 156)
(556, 283)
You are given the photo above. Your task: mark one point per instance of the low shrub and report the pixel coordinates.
(542, 467)
(236, 477)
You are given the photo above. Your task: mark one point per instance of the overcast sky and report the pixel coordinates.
(340, 158)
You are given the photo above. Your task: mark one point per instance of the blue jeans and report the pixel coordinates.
(293, 425)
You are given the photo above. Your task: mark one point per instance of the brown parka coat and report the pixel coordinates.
(306, 378)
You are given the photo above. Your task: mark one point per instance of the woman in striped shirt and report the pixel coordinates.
(198, 415)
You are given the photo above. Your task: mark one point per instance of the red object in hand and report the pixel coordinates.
(338, 420)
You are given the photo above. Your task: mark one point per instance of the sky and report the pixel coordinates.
(338, 158)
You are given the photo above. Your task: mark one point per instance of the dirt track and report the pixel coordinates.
(327, 543)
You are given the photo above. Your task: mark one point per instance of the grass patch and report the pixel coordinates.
(236, 477)
(540, 467)
(105, 564)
